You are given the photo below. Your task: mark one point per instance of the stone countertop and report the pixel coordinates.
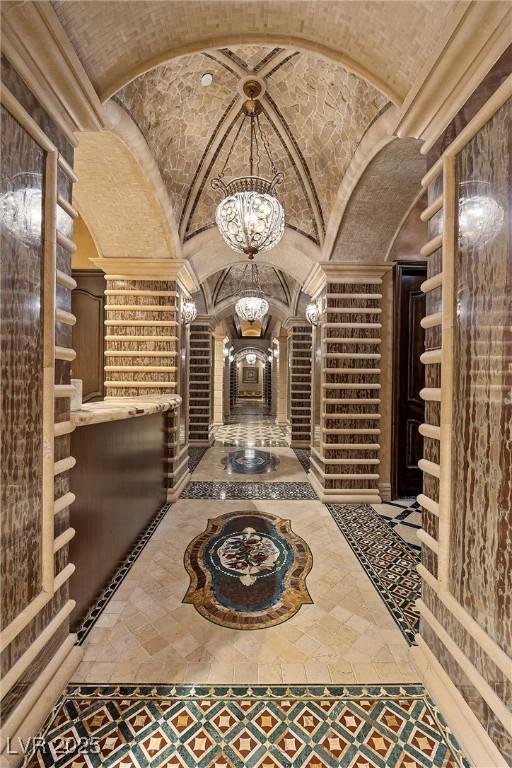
(118, 408)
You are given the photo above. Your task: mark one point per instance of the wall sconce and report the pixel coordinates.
(313, 313)
(188, 312)
(480, 216)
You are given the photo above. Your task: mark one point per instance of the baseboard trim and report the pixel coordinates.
(469, 732)
(28, 717)
(385, 491)
(174, 493)
(334, 497)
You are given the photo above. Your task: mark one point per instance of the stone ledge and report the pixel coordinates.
(118, 408)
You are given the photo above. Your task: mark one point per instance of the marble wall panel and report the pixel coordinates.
(21, 372)
(481, 505)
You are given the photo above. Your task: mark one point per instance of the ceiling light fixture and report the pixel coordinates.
(250, 218)
(251, 305)
(251, 358)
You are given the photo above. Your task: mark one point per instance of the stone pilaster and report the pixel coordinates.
(300, 353)
(282, 382)
(147, 347)
(345, 462)
(218, 380)
(201, 382)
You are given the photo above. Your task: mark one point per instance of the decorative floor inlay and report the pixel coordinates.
(209, 489)
(249, 461)
(194, 457)
(120, 573)
(257, 434)
(389, 562)
(304, 456)
(182, 726)
(248, 571)
(404, 515)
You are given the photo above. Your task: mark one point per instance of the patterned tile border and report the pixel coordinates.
(405, 508)
(119, 575)
(303, 455)
(388, 561)
(185, 726)
(194, 457)
(209, 489)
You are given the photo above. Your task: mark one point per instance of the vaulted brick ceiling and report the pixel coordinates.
(315, 113)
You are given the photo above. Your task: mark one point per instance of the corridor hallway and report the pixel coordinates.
(323, 679)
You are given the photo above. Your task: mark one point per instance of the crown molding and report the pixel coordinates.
(150, 269)
(35, 43)
(479, 34)
(329, 271)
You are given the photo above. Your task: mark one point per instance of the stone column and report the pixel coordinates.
(201, 382)
(300, 382)
(146, 346)
(282, 382)
(345, 464)
(218, 380)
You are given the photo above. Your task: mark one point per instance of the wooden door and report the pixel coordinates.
(87, 304)
(408, 378)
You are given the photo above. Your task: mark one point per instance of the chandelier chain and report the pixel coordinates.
(266, 144)
(223, 169)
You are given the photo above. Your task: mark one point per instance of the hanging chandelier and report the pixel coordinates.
(251, 358)
(251, 305)
(250, 218)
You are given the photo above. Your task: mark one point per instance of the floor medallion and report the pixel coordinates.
(248, 571)
(250, 461)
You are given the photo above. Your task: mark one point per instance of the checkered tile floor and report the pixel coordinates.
(259, 727)
(404, 516)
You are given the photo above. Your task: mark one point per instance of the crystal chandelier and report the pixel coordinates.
(251, 358)
(312, 313)
(252, 305)
(250, 218)
(188, 312)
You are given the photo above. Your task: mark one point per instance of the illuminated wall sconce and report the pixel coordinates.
(480, 216)
(313, 313)
(188, 312)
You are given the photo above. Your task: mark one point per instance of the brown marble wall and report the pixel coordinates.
(300, 384)
(349, 306)
(145, 323)
(481, 506)
(23, 274)
(480, 539)
(201, 383)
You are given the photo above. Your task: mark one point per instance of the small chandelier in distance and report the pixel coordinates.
(313, 313)
(188, 312)
(250, 218)
(251, 358)
(251, 305)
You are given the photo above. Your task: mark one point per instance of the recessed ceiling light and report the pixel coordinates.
(206, 79)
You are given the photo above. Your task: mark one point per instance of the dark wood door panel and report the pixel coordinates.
(408, 378)
(88, 306)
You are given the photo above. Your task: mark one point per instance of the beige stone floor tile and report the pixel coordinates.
(197, 672)
(270, 673)
(293, 673)
(221, 672)
(125, 672)
(246, 672)
(316, 672)
(80, 672)
(100, 672)
(365, 673)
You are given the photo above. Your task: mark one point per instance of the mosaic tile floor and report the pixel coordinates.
(257, 434)
(389, 561)
(194, 457)
(145, 633)
(404, 516)
(207, 489)
(241, 727)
